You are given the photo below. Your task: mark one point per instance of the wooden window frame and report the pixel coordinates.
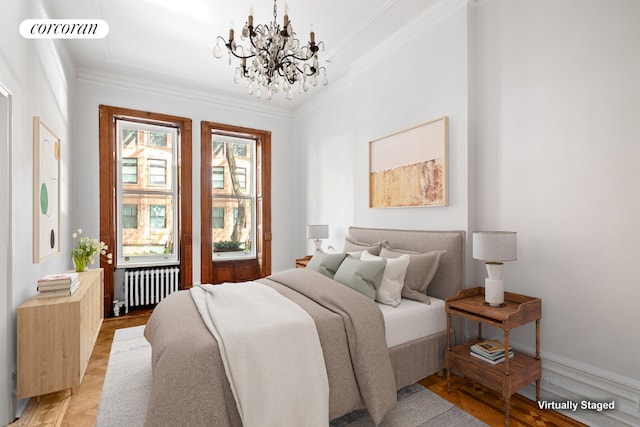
(263, 201)
(108, 169)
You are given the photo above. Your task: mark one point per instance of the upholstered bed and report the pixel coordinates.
(189, 382)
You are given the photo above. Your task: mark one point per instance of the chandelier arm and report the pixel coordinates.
(240, 56)
(293, 55)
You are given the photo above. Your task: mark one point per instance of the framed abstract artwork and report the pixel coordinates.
(409, 168)
(46, 192)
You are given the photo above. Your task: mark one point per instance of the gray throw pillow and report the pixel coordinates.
(420, 272)
(362, 276)
(326, 264)
(351, 246)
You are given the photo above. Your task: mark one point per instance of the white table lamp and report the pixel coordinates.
(317, 233)
(494, 247)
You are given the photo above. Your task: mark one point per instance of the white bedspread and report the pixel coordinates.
(271, 354)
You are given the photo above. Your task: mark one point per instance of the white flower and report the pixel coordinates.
(74, 235)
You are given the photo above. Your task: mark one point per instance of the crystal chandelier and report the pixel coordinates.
(274, 59)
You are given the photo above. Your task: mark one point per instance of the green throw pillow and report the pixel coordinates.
(362, 276)
(326, 264)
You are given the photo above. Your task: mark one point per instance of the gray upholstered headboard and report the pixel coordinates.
(450, 276)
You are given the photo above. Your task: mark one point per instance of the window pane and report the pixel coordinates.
(157, 139)
(157, 172)
(218, 149)
(233, 226)
(130, 216)
(241, 174)
(217, 177)
(240, 150)
(129, 170)
(129, 138)
(147, 193)
(147, 225)
(218, 217)
(158, 216)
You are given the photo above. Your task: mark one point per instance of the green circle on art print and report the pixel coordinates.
(44, 199)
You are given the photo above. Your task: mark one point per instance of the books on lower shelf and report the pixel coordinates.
(491, 351)
(57, 285)
(492, 361)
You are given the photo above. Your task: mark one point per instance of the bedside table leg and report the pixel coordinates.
(446, 355)
(506, 411)
(538, 357)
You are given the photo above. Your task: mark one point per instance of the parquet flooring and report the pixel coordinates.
(488, 405)
(80, 409)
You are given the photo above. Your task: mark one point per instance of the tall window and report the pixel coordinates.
(145, 234)
(125, 194)
(235, 203)
(233, 196)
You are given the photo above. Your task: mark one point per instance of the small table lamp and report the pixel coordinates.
(317, 233)
(494, 247)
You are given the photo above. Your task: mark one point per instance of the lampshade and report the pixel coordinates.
(494, 246)
(317, 232)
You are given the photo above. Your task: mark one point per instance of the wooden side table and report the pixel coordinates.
(514, 373)
(302, 262)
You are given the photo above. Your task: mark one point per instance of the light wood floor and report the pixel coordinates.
(81, 408)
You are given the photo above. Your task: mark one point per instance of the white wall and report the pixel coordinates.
(324, 134)
(93, 90)
(543, 100)
(558, 89)
(418, 75)
(557, 142)
(36, 76)
(6, 330)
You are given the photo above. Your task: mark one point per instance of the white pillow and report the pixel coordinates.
(390, 290)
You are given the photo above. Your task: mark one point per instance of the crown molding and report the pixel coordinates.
(429, 17)
(154, 87)
(314, 103)
(426, 19)
(356, 31)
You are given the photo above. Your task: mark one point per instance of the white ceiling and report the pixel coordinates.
(170, 42)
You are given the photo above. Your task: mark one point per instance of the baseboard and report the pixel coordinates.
(567, 380)
(21, 405)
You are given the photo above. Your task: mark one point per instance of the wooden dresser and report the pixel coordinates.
(55, 337)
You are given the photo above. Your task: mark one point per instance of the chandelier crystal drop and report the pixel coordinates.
(274, 58)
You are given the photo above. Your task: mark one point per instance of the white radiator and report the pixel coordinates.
(149, 285)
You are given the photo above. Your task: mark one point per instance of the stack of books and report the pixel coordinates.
(58, 285)
(491, 351)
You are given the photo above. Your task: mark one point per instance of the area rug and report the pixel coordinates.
(125, 394)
